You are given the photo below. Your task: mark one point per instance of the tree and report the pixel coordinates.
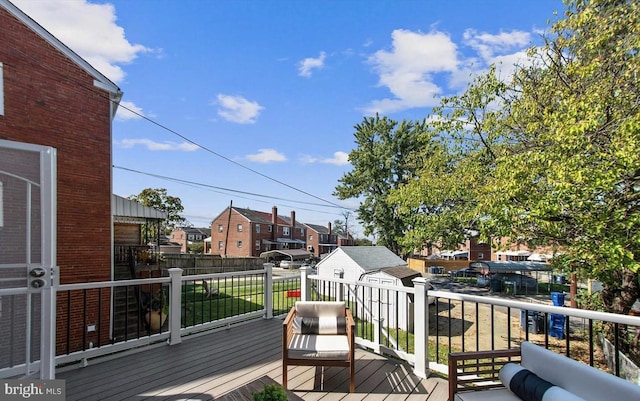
(560, 149)
(573, 174)
(380, 165)
(159, 199)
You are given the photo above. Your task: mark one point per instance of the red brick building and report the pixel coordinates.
(246, 232)
(321, 240)
(50, 96)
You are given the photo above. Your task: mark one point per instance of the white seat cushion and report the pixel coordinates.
(501, 394)
(320, 308)
(313, 346)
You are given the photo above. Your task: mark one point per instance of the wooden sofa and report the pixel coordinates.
(318, 333)
(490, 375)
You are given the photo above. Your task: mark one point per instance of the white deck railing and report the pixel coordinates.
(398, 321)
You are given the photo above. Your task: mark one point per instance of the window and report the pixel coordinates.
(270, 228)
(302, 232)
(257, 245)
(220, 228)
(480, 255)
(257, 228)
(310, 237)
(1, 92)
(239, 244)
(220, 245)
(239, 227)
(285, 230)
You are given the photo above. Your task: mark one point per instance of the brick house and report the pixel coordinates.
(321, 240)
(246, 232)
(50, 96)
(187, 235)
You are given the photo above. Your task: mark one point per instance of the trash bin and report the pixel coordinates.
(556, 325)
(531, 321)
(495, 285)
(557, 298)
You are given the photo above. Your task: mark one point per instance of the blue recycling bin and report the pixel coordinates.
(556, 325)
(557, 298)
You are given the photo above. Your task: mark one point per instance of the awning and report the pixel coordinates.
(292, 254)
(499, 267)
(289, 241)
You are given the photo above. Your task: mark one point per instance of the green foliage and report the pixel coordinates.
(271, 392)
(159, 199)
(380, 164)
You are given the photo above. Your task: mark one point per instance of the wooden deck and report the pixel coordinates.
(211, 365)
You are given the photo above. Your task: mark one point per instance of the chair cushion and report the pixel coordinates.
(320, 308)
(312, 346)
(320, 325)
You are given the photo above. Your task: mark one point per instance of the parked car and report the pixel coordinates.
(466, 272)
(292, 264)
(430, 300)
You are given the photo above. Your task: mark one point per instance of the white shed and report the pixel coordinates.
(376, 265)
(351, 262)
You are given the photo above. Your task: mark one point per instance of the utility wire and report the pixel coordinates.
(226, 158)
(199, 184)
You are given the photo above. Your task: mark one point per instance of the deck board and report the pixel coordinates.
(207, 366)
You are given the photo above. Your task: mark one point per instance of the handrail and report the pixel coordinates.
(574, 312)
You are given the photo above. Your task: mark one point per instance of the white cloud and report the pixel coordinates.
(267, 156)
(419, 66)
(158, 146)
(88, 29)
(129, 111)
(339, 159)
(407, 69)
(305, 66)
(238, 109)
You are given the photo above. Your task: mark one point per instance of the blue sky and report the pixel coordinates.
(259, 93)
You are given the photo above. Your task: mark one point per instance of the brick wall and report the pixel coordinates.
(49, 100)
(230, 241)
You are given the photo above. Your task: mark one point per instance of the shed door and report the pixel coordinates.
(27, 260)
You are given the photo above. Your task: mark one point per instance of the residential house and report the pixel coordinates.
(246, 232)
(188, 235)
(352, 262)
(321, 240)
(51, 97)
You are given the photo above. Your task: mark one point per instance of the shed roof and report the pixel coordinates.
(369, 258)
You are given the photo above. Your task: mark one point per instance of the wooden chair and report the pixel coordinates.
(318, 333)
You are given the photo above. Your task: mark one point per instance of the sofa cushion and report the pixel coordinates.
(313, 346)
(320, 325)
(529, 387)
(576, 377)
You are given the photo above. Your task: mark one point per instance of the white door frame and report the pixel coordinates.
(48, 246)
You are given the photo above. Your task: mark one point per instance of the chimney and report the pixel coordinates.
(329, 227)
(293, 222)
(274, 221)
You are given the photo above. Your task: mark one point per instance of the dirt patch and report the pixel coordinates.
(484, 328)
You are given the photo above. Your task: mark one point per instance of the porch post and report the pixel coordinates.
(175, 305)
(421, 328)
(48, 340)
(268, 290)
(305, 284)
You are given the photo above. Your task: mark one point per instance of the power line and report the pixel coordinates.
(213, 187)
(226, 158)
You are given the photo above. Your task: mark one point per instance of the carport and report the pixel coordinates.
(285, 254)
(490, 267)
